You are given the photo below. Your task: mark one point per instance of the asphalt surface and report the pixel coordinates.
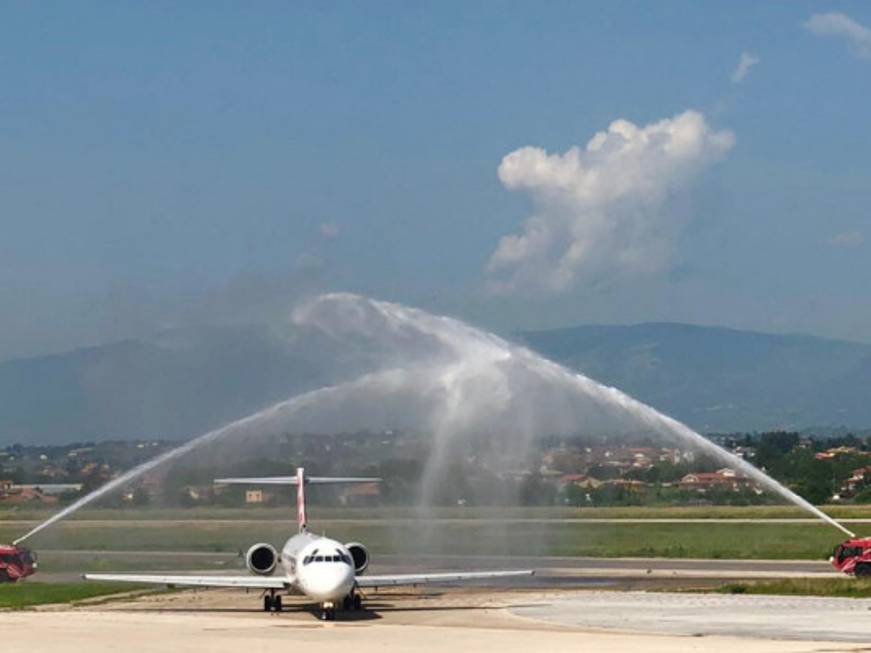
(762, 617)
(551, 571)
(436, 625)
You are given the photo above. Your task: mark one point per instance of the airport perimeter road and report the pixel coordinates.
(765, 617)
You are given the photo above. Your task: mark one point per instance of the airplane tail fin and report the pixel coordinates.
(300, 481)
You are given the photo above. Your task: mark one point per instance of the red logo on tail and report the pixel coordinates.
(300, 498)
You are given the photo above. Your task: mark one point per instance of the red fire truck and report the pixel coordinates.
(853, 557)
(15, 563)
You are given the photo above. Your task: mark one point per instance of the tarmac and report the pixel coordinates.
(754, 617)
(570, 604)
(449, 621)
(551, 571)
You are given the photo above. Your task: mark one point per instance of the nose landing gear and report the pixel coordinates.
(328, 611)
(351, 602)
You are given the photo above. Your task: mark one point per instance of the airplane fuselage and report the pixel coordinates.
(320, 568)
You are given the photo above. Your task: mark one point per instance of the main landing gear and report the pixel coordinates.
(272, 602)
(352, 602)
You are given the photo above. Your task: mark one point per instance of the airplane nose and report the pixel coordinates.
(329, 584)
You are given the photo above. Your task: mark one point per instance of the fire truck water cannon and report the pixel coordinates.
(16, 563)
(853, 557)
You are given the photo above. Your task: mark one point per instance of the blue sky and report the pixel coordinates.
(163, 164)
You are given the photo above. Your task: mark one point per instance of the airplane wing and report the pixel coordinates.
(251, 582)
(292, 480)
(423, 579)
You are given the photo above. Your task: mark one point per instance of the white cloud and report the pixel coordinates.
(847, 239)
(857, 36)
(745, 63)
(329, 230)
(601, 210)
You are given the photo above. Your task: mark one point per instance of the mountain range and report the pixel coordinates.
(184, 382)
(721, 380)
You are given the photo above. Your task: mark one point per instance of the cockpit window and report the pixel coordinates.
(309, 558)
(338, 557)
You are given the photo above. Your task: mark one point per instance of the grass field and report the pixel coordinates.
(26, 594)
(693, 540)
(844, 587)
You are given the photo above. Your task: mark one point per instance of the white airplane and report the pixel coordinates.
(322, 569)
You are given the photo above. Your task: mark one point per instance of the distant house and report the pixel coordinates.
(253, 496)
(361, 494)
(626, 484)
(834, 452)
(50, 489)
(53, 472)
(642, 457)
(725, 478)
(578, 480)
(861, 474)
(27, 495)
(672, 456)
(859, 478)
(87, 469)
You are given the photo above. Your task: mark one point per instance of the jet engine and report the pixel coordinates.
(360, 556)
(261, 559)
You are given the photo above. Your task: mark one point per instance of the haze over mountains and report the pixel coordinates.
(182, 383)
(717, 379)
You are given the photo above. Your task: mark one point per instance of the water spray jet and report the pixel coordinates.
(419, 371)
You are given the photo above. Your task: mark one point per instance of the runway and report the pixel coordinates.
(552, 572)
